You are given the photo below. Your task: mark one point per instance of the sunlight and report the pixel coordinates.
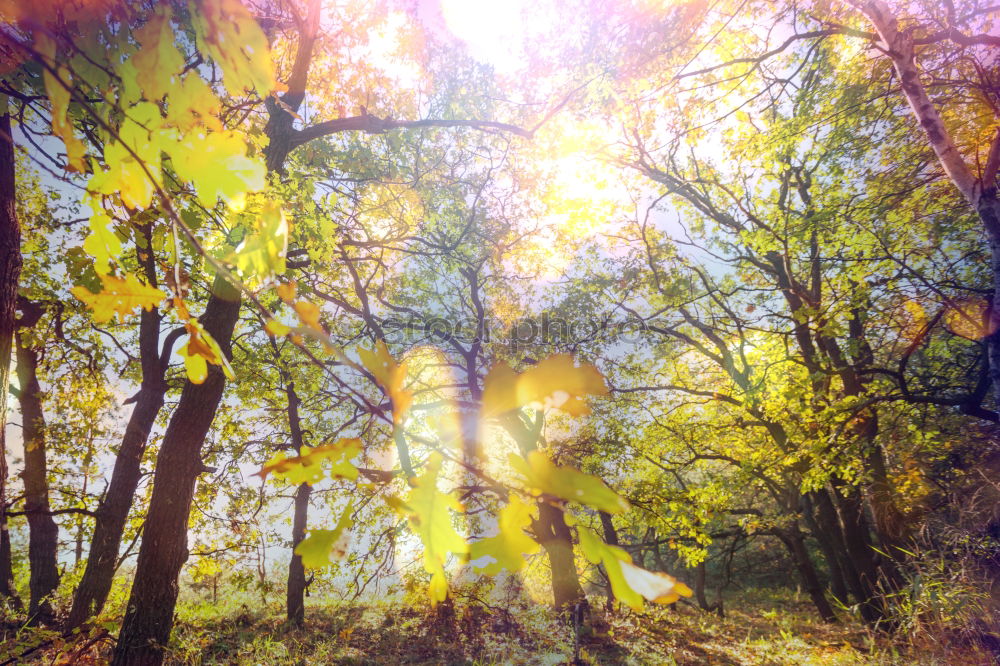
(457, 331)
(492, 31)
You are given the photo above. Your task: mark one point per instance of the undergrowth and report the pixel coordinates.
(760, 627)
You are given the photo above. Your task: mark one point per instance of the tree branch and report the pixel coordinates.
(370, 124)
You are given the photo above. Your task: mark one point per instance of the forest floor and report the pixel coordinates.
(759, 628)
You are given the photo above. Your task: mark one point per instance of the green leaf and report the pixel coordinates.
(629, 583)
(317, 549)
(430, 514)
(509, 546)
(231, 36)
(262, 252)
(598, 552)
(158, 62)
(216, 164)
(119, 296)
(567, 483)
(308, 466)
(102, 243)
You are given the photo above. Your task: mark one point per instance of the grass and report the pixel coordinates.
(759, 628)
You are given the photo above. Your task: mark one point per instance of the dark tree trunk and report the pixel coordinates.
(857, 543)
(113, 511)
(295, 596)
(608, 525)
(112, 514)
(888, 522)
(296, 572)
(828, 520)
(87, 460)
(43, 534)
(611, 538)
(827, 534)
(807, 573)
(149, 616)
(10, 273)
(989, 213)
(554, 535)
(700, 574)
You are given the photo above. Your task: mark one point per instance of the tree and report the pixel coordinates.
(10, 270)
(43, 529)
(978, 189)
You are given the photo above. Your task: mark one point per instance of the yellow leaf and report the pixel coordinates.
(317, 549)
(231, 36)
(200, 350)
(262, 252)
(653, 585)
(195, 366)
(309, 314)
(390, 376)
(124, 177)
(969, 319)
(102, 243)
(158, 62)
(555, 382)
(191, 103)
(630, 583)
(59, 96)
(286, 291)
(216, 164)
(511, 544)
(307, 467)
(276, 328)
(119, 296)
(567, 483)
(429, 511)
(133, 159)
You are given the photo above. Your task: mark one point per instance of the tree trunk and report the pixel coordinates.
(700, 574)
(857, 543)
(43, 534)
(295, 595)
(102, 559)
(993, 341)
(296, 572)
(112, 513)
(553, 534)
(807, 572)
(149, 616)
(979, 191)
(10, 273)
(610, 538)
(827, 533)
(87, 460)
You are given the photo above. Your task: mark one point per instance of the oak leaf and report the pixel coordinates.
(119, 296)
(555, 382)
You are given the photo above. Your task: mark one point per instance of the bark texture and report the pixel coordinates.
(296, 589)
(296, 595)
(149, 614)
(43, 533)
(554, 535)
(112, 513)
(10, 273)
(795, 543)
(980, 191)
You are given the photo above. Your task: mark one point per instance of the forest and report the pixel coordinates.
(500, 332)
